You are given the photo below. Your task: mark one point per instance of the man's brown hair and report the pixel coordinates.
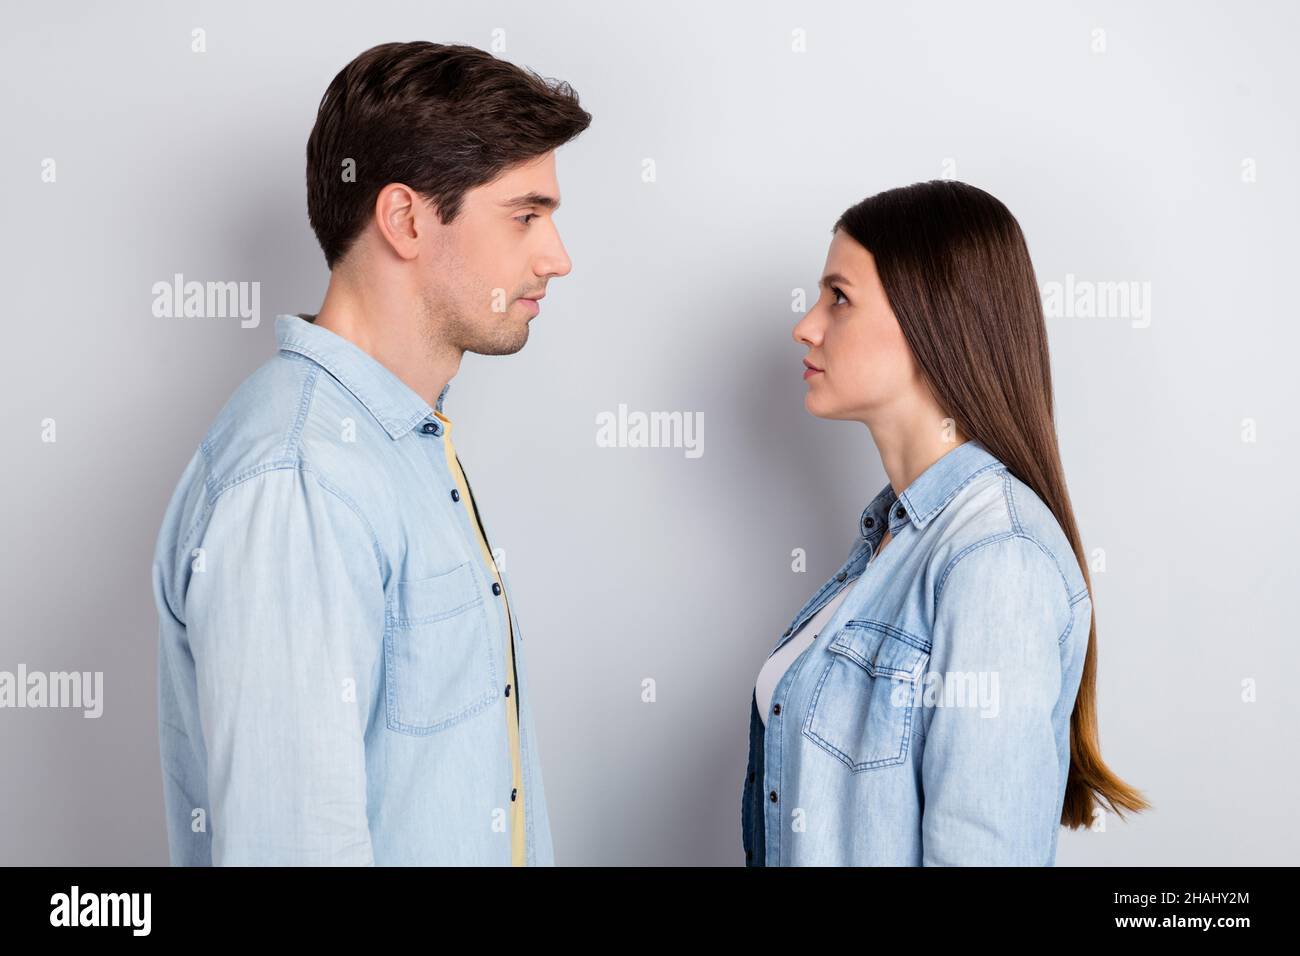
(439, 118)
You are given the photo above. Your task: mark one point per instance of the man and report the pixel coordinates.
(341, 679)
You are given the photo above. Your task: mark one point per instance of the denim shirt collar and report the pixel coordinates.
(395, 405)
(930, 493)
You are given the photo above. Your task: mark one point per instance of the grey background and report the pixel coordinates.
(641, 563)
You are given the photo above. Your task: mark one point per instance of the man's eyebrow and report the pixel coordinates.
(532, 199)
(833, 278)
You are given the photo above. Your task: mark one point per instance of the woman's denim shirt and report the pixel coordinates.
(929, 722)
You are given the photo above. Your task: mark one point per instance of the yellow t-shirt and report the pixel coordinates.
(516, 809)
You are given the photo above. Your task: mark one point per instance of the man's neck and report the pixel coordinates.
(392, 335)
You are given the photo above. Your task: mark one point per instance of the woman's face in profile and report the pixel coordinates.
(854, 340)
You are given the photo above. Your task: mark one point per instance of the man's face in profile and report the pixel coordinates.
(486, 268)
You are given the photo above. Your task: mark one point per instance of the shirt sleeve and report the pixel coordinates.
(285, 617)
(991, 769)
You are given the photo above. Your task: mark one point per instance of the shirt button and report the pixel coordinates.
(455, 495)
(772, 796)
(430, 428)
(513, 792)
(868, 522)
(901, 512)
(507, 690)
(776, 709)
(841, 576)
(788, 632)
(496, 588)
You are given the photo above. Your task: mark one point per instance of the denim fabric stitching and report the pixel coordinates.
(414, 730)
(994, 539)
(922, 519)
(905, 636)
(390, 424)
(844, 758)
(304, 404)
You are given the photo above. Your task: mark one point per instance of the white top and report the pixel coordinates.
(786, 654)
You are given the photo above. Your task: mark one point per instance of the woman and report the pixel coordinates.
(934, 701)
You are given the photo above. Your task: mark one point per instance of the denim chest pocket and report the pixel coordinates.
(438, 662)
(862, 708)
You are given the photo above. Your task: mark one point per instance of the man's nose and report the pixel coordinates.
(556, 262)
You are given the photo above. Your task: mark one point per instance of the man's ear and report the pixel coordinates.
(400, 213)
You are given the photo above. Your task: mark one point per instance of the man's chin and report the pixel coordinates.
(507, 345)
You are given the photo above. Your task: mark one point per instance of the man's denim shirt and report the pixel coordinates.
(929, 722)
(331, 667)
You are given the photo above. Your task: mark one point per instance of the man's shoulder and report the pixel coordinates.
(286, 421)
(289, 412)
(289, 416)
(260, 426)
(272, 447)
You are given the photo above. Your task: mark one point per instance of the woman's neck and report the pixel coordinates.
(908, 448)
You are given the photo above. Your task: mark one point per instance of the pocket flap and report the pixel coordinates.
(883, 650)
(430, 599)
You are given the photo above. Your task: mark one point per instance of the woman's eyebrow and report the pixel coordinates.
(833, 278)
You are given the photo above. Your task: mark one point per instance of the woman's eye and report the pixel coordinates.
(838, 294)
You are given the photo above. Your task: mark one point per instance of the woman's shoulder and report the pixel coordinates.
(1002, 521)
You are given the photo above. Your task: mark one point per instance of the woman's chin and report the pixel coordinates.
(815, 407)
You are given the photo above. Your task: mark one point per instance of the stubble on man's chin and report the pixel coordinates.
(504, 338)
(495, 333)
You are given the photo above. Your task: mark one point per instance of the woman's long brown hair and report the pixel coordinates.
(957, 272)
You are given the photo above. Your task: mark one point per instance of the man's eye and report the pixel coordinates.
(526, 218)
(838, 294)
